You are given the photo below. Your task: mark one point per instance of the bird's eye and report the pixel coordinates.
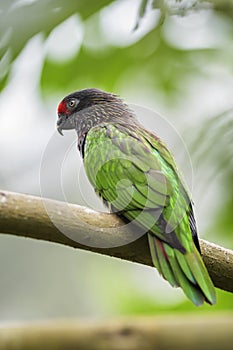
(72, 103)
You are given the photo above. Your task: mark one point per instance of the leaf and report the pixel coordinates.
(28, 19)
(214, 144)
(165, 68)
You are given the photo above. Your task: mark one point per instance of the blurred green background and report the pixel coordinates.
(175, 59)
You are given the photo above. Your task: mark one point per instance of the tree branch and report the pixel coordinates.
(184, 7)
(26, 216)
(127, 334)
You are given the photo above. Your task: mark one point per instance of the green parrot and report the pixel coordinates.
(133, 171)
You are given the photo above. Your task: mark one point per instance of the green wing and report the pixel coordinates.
(127, 172)
(135, 174)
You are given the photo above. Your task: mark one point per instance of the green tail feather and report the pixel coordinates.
(201, 275)
(160, 262)
(185, 270)
(184, 265)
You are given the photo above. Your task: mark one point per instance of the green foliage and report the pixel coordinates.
(218, 128)
(142, 305)
(212, 151)
(19, 23)
(165, 68)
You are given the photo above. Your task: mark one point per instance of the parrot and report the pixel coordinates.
(135, 174)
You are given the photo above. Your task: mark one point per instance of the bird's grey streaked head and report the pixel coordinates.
(85, 108)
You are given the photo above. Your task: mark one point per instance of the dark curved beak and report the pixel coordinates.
(65, 122)
(59, 125)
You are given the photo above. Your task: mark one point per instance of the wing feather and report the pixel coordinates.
(132, 170)
(134, 178)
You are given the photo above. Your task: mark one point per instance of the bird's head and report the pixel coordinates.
(85, 108)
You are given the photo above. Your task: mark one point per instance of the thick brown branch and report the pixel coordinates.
(26, 216)
(127, 334)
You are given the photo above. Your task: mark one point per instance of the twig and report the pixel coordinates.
(26, 216)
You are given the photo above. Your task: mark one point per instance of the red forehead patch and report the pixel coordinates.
(62, 109)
